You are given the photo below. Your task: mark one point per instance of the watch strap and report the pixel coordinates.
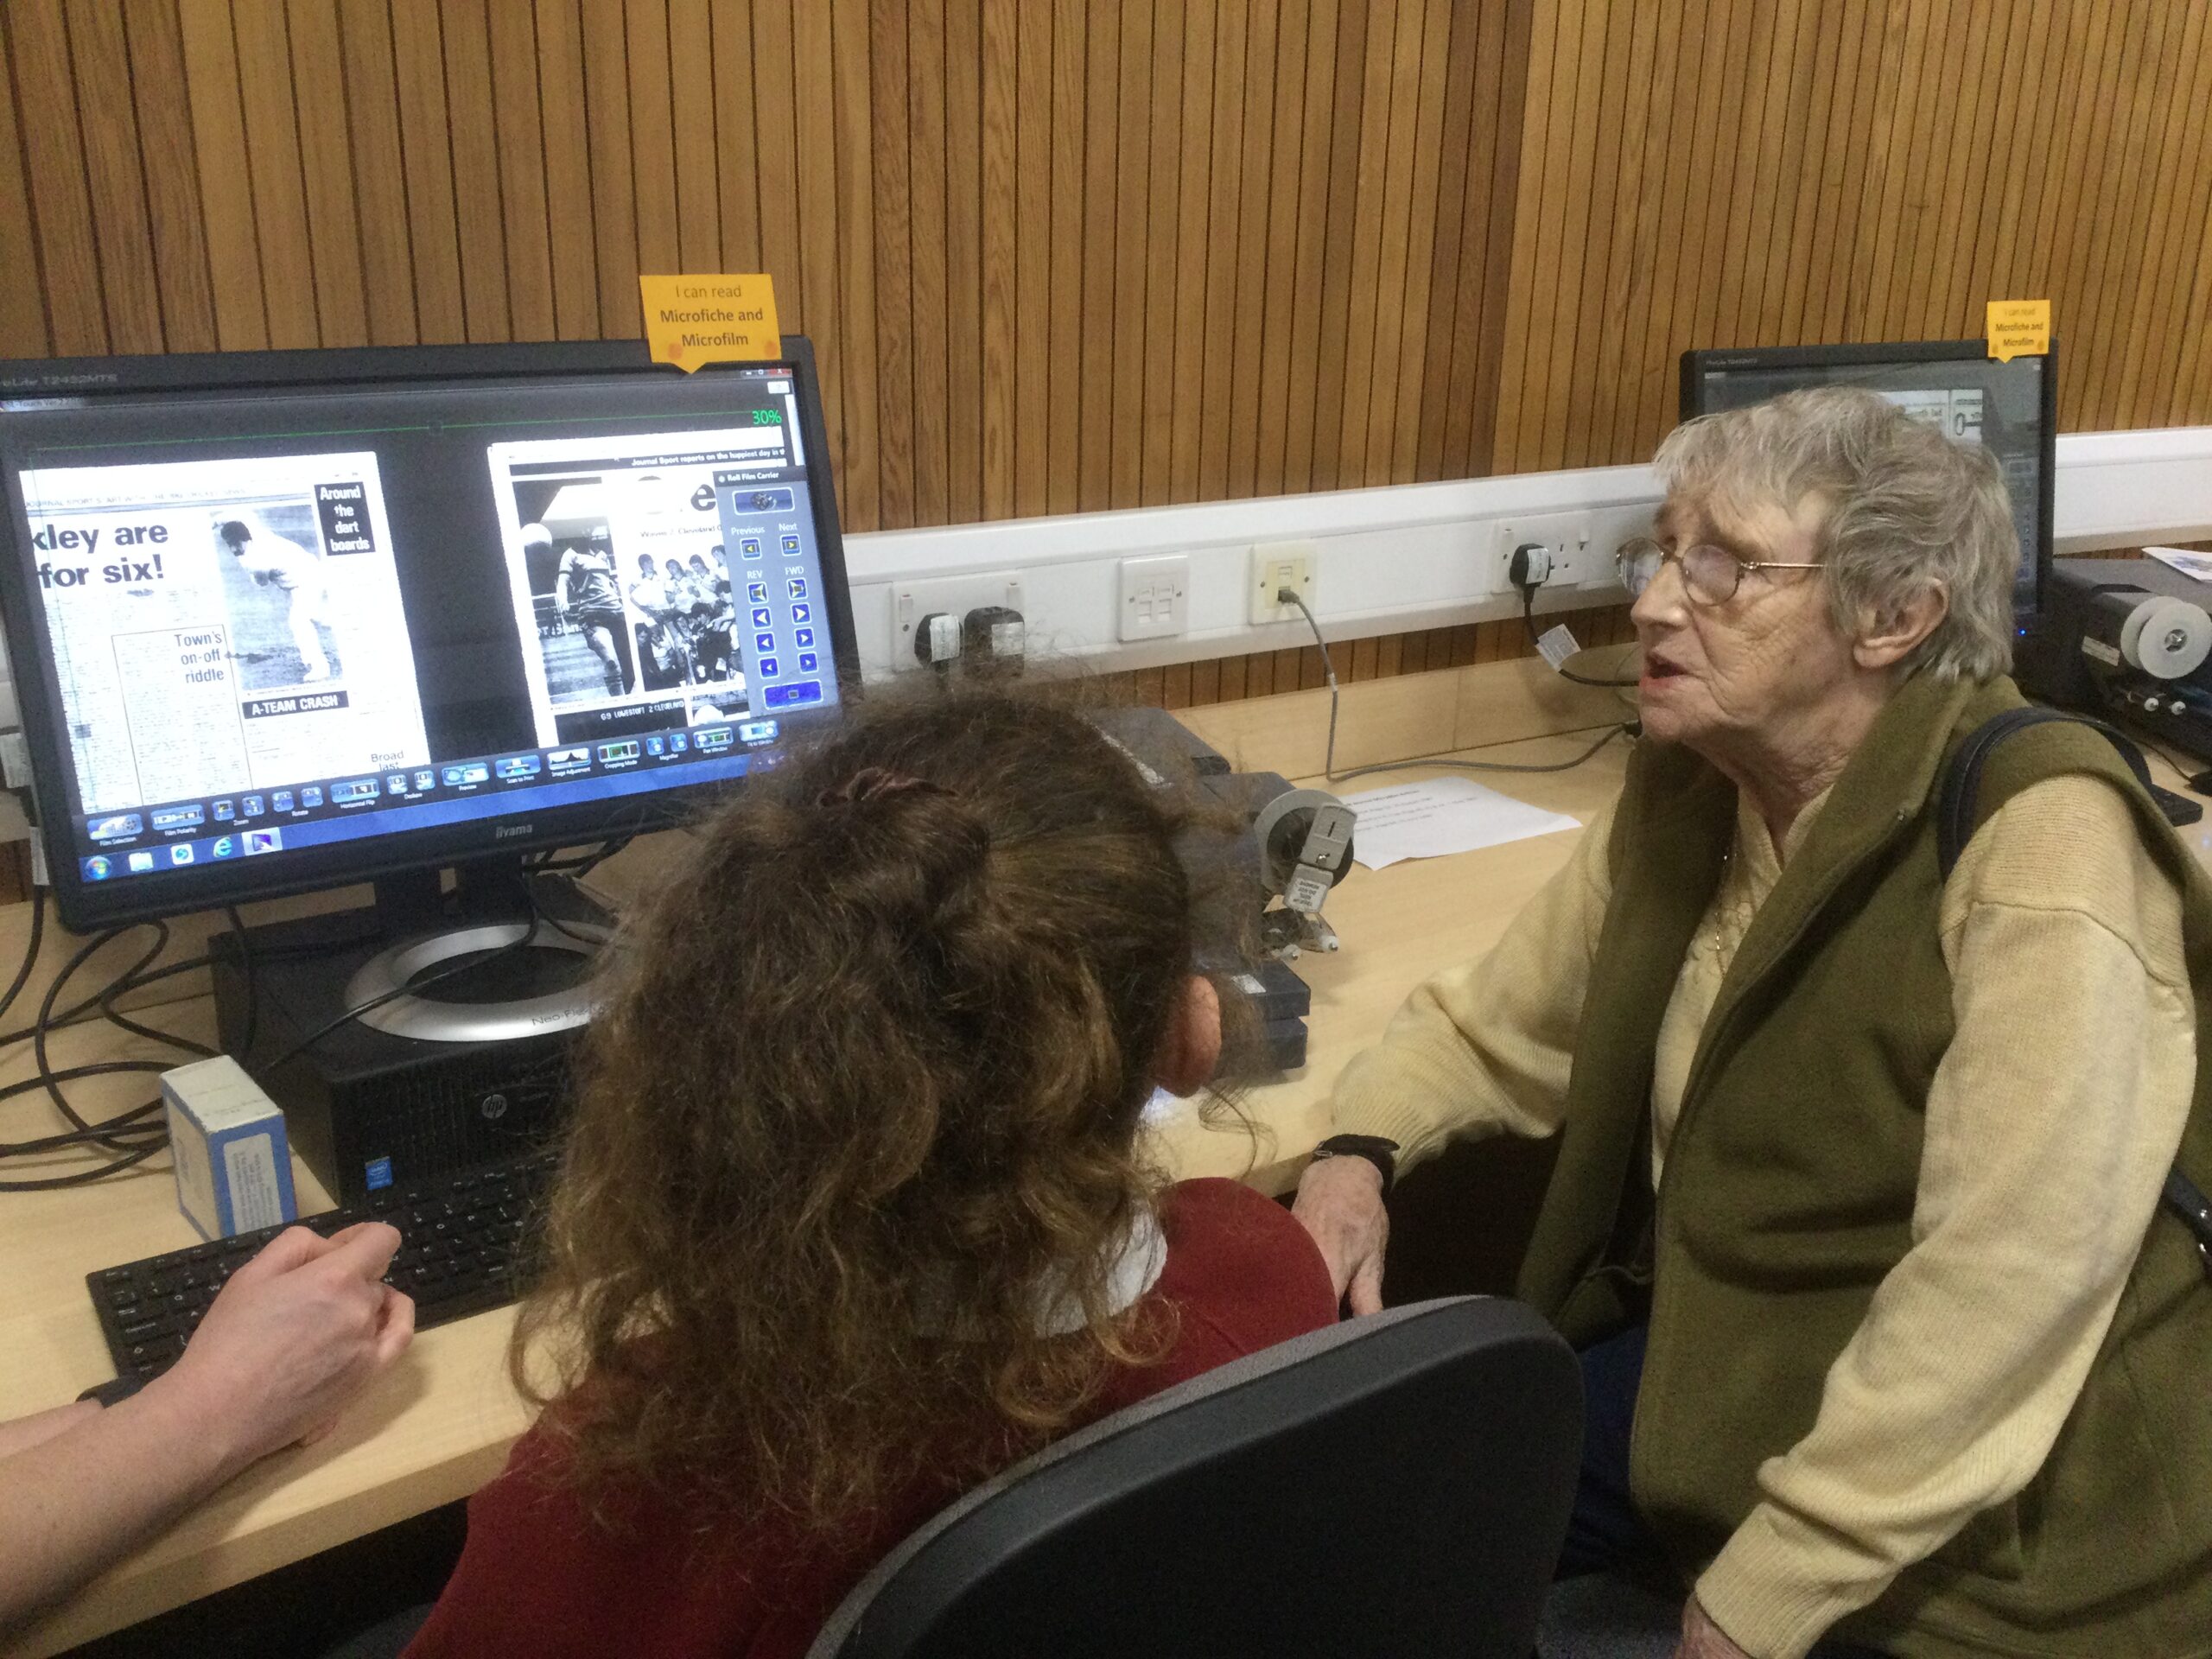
(1378, 1150)
(115, 1390)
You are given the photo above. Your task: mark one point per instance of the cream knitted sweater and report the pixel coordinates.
(2050, 1124)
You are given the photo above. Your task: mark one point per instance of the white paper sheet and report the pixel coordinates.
(1439, 817)
(2198, 565)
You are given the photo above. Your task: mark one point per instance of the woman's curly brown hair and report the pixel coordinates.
(862, 1097)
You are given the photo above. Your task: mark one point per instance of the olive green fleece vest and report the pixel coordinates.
(1789, 1189)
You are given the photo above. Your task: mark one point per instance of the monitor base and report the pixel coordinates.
(378, 987)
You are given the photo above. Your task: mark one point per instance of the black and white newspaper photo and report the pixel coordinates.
(622, 587)
(224, 623)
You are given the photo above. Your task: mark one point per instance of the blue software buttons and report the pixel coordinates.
(791, 696)
(807, 661)
(764, 642)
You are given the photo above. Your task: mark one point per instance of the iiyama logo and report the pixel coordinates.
(511, 830)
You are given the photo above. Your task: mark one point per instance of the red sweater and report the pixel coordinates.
(538, 1579)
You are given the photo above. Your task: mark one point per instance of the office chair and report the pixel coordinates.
(1394, 1485)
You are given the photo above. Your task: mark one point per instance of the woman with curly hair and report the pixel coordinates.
(854, 1211)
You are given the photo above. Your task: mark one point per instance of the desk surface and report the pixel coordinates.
(440, 1423)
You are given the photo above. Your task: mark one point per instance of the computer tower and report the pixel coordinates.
(365, 1109)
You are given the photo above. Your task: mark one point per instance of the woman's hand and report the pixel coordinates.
(1340, 1201)
(294, 1334)
(1702, 1638)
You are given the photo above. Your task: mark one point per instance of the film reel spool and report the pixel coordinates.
(2166, 638)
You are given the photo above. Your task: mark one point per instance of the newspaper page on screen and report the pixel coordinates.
(621, 580)
(224, 623)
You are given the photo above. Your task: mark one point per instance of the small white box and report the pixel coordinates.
(233, 1160)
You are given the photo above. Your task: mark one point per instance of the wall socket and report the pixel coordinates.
(1155, 596)
(1564, 535)
(912, 601)
(1276, 566)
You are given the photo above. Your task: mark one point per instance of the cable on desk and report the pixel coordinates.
(44, 1025)
(1290, 596)
(1529, 622)
(127, 1136)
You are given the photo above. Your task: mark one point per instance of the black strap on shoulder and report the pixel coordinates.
(1955, 805)
(1955, 827)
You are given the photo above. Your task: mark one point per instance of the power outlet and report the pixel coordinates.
(1155, 597)
(957, 595)
(1276, 566)
(1565, 536)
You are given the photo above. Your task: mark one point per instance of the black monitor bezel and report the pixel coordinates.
(86, 905)
(1698, 362)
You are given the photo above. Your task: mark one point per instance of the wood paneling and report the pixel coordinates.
(1081, 254)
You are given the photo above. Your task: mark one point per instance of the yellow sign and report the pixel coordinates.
(2019, 328)
(694, 321)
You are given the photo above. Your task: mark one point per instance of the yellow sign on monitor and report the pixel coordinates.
(2019, 328)
(694, 321)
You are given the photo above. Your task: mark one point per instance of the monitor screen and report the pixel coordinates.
(2010, 408)
(289, 619)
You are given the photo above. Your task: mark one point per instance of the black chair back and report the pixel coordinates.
(1394, 1485)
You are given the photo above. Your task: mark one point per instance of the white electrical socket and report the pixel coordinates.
(1565, 535)
(912, 601)
(1276, 566)
(1155, 596)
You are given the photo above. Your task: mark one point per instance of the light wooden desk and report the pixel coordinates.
(440, 1423)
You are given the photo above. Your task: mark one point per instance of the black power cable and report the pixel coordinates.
(1529, 622)
(1290, 596)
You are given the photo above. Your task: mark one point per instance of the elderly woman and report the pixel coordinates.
(1855, 1214)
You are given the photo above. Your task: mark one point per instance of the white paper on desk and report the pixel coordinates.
(1441, 815)
(2198, 565)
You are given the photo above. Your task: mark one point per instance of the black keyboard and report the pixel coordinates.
(458, 1235)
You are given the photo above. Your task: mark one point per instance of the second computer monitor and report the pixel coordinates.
(2010, 408)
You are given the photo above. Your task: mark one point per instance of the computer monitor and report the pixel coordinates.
(282, 621)
(2010, 408)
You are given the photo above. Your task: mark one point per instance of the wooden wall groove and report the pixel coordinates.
(1062, 255)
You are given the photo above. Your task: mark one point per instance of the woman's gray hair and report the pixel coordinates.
(1908, 509)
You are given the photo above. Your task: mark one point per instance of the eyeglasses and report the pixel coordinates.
(1710, 574)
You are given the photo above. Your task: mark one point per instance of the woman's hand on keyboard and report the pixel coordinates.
(293, 1336)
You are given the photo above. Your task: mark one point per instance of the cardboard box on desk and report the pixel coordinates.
(233, 1161)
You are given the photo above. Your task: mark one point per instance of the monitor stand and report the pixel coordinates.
(516, 989)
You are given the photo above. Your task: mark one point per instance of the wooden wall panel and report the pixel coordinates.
(1084, 254)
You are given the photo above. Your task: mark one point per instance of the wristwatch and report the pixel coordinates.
(115, 1390)
(1378, 1150)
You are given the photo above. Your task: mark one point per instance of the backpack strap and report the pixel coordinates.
(1955, 827)
(1954, 807)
